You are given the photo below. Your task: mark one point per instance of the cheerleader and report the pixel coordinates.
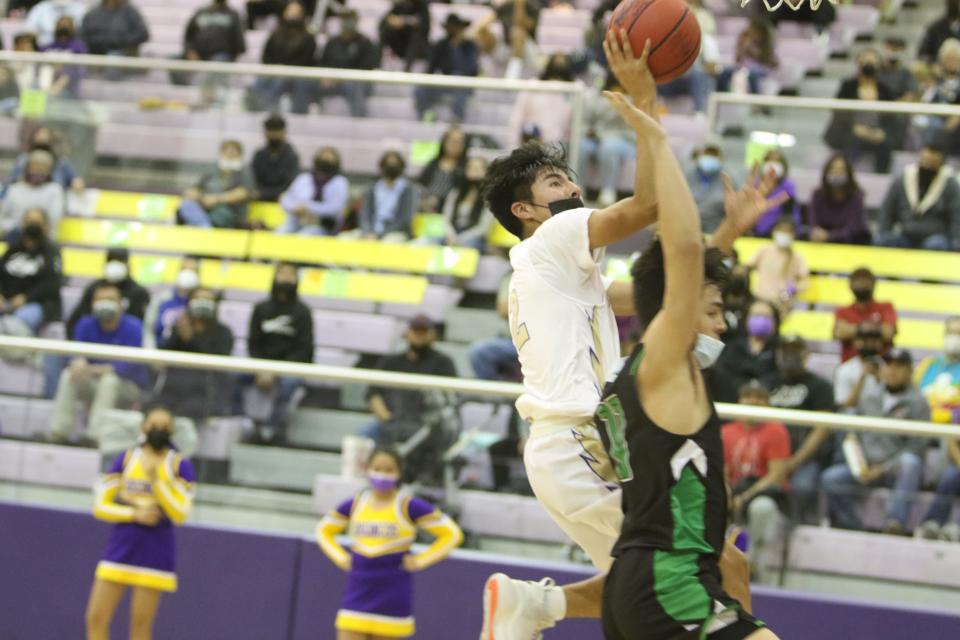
(148, 490)
(382, 523)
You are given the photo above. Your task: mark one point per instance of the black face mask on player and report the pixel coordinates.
(559, 206)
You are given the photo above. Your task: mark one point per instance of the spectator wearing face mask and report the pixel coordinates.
(944, 89)
(793, 386)
(30, 279)
(405, 30)
(387, 209)
(749, 357)
(454, 55)
(104, 384)
(705, 180)
(162, 314)
(349, 49)
(467, 220)
(864, 309)
(609, 143)
(837, 212)
(922, 207)
(289, 44)
(894, 461)
(36, 190)
(281, 328)
(114, 27)
(276, 164)
(444, 170)
(865, 132)
(43, 18)
(43, 139)
(782, 273)
(220, 198)
(66, 81)
(939, 31)
(774, 161)
(198, 393)
(894, 73)
(317, 199)
(550, 113)
(861, 373)
(938, 377)
(134, 299)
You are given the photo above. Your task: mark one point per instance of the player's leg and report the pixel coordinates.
(143, 611)
(104, 598)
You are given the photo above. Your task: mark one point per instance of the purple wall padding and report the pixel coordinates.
(250, 586)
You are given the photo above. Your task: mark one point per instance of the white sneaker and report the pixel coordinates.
(929, 530)
(950, 532)
(515, 609)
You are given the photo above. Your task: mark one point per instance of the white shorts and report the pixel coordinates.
(572, 477)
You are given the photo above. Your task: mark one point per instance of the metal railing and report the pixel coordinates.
(500, 390)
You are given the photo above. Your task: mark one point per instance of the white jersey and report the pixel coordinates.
(561, 321)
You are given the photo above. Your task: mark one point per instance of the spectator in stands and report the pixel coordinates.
(496, 358)
(106, 384)
(44, 17)
(276, 164)
(737, 300)
(454, 55)
(349, 49)
(220, 198)
(134, 299)
(549, 113)
(30, 279)
(774, 160)
(939, 31)
(441, 174)
(405, 30)
(700, 80)
(214, 33)
(387, 209)
(755, 59)
(257, 9)
(922, 207)
(198, 393)
(938, 377)
(317, 199)
(864, 309)
(934, 523)
(944, 88)
(467, 220)
(289, 44)
(749, 357)
(66, 81)
(516, 49)
(705, 180)
(837, 212)
(44, 139)
(782, 273)
(858, 133)
(35, 190)
(399, 412)
(114, 28)
(891, 460)
(755, 458)
(163, 312)
(609, 143)
(895, 73)
(281, 328)
(9, 91)
(861, 373)
(793, 386)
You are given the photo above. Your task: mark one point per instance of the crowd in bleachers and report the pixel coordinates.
(776, 471)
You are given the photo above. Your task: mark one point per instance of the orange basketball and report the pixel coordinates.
(672, 29)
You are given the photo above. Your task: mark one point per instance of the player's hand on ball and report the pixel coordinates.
(631, 71)
(638, 119)
(410, 563)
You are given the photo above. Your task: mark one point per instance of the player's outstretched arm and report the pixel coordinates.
(624, 218)
(743, 208)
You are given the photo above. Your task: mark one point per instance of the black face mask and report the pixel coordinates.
(33, 232)
(863, 295)
(158, 439)
(392, 171)
(868, 70)
(327, 167)
(896, 390)
(867, 352)
(421, 349)
(63, 34)
(273, 144)
(926, 175)
(559, 206)
(285, 290)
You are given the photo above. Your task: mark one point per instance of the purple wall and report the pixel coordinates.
(241, 585)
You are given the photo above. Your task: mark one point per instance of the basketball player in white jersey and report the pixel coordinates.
(562, 320)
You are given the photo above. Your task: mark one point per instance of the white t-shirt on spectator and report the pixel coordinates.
(845, 380)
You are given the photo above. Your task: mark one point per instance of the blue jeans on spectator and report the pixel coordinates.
(285, 387)
(355, 93)
(841, 489)
(936, 242)
(804, 484)
(609, 153)
(193, 214)
(30, 314)
(426, 97)
(295, 225)
(53, 366)
(696, 83)
(269, 91)
(490, 358)
(948, 490)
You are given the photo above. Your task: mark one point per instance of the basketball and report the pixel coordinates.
(672, 29)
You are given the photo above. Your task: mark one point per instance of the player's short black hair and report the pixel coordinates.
(510, 178)
(649, 278)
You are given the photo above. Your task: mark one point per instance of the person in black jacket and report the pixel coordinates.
(289, 44)
(30, 279)
(276, 164)
(349, 49)
(454, 55)
(116, 271)
(405, 30)
(198, 393)
(856, 133)
(215, 33)
(281, 328)
(939, 31)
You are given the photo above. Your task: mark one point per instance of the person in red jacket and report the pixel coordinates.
(864, 309)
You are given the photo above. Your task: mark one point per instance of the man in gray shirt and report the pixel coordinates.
(35, 190)
(891, 460)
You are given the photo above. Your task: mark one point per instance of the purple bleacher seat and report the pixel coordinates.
(23, 417)
(863, 19)
(20, 379)
(437, 302)
(490, 272)
(363, 333)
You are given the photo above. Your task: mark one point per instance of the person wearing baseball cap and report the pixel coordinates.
(865, 308)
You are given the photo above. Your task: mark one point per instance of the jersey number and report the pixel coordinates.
(518, 330)
(614, 421)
